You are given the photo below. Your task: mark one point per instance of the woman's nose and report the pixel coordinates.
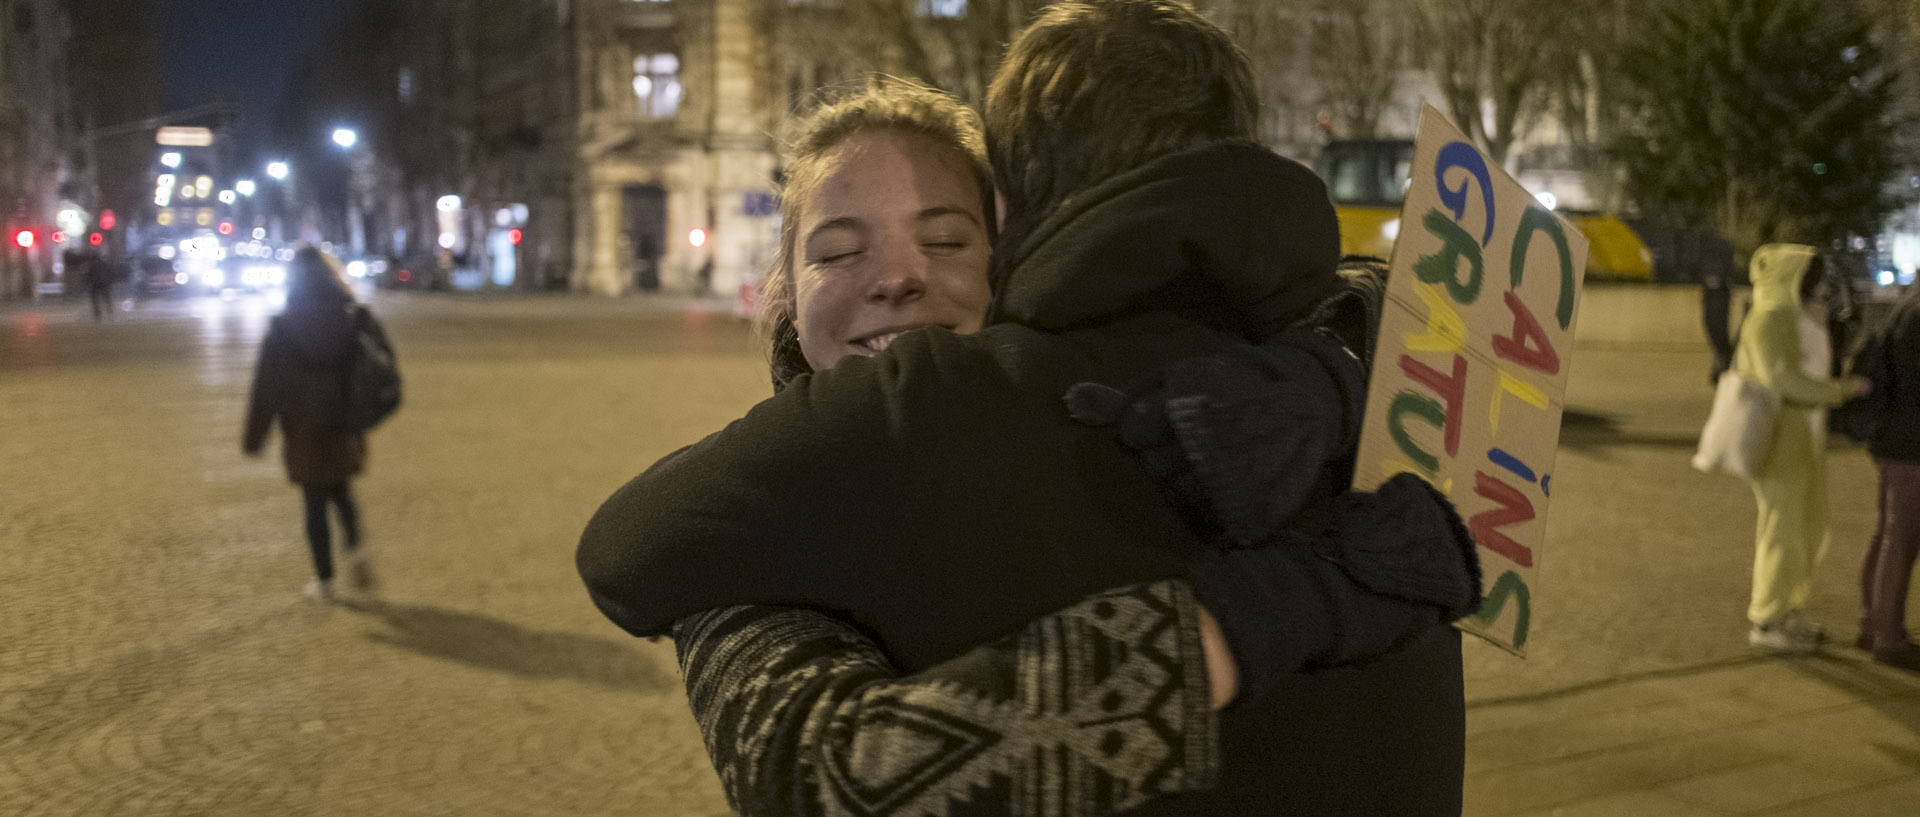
(902, 278)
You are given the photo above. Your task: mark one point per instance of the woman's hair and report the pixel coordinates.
(314, 276)
(1091, 89)
(1812, 278)
(884, 103)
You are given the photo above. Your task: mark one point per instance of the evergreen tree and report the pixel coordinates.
(1768, 120)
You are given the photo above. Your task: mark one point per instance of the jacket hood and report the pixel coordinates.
(320, 333)
(1776, 272)
(1231, 235)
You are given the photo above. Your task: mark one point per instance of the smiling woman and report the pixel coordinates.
(885, 227)
(895, 239)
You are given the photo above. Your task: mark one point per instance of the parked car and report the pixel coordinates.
(156, 277)
(1367, 179)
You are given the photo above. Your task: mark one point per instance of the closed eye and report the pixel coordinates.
(944, 244)
(833, 258)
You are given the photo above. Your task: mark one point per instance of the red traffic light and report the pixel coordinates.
(107, 220)
(514, 236)
(58, 237)
(226, 228)
(96, 239)
(24, 238)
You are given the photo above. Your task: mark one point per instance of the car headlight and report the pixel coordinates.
(214, 277)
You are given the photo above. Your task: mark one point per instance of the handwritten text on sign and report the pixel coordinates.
(1470, 375)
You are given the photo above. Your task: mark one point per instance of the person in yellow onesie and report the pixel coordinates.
(1784, 346)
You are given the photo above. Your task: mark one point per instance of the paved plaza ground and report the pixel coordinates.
(158, 658)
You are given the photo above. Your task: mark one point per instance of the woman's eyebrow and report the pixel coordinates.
(841, 223)
(936, 212)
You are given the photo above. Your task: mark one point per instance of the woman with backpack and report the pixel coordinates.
(302, 380)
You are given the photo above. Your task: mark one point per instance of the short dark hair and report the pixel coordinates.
(1093, 88)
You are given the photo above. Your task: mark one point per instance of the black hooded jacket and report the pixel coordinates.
(940, 496)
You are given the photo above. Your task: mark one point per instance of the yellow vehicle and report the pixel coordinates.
(1368, 181)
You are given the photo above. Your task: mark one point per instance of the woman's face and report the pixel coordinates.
(892, 239)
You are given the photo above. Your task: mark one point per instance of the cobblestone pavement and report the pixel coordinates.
(157, 658)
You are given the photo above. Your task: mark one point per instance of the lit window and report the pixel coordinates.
(949, 9)
(656, 84)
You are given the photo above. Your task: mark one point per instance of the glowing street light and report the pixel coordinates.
(345, 137)
(244, 187)
(277, 170)
(448, 204)
(170, 159)
(227, 197)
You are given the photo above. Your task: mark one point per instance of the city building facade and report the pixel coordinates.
(606, 146)
(35, 131)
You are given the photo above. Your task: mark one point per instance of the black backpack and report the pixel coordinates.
(373, 375)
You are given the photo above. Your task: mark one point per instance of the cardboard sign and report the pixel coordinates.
(1471, 370)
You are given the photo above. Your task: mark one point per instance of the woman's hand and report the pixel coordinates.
(1221, 673)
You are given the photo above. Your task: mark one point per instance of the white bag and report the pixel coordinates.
(1739, 429)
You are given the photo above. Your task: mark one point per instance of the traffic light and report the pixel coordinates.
(514, 235)
(24, 238)
(96, 239)
(226, 228)
(108, 220)
(58, 237)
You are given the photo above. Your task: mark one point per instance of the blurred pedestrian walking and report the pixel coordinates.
(97, 275)
(1709, 256)
(1784, 346)
(1892, 363)
(1716, 306)
(302, 380)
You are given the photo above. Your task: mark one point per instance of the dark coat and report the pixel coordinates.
(1896, 387)
(301, 380)
(940, 495)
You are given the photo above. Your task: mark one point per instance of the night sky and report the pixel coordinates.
(238, 50)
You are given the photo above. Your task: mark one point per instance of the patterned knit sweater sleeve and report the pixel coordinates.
(1091, 710)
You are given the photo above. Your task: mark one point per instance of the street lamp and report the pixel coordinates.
(244, 187)
(277, 170)
(170, 159)
(346, 138)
